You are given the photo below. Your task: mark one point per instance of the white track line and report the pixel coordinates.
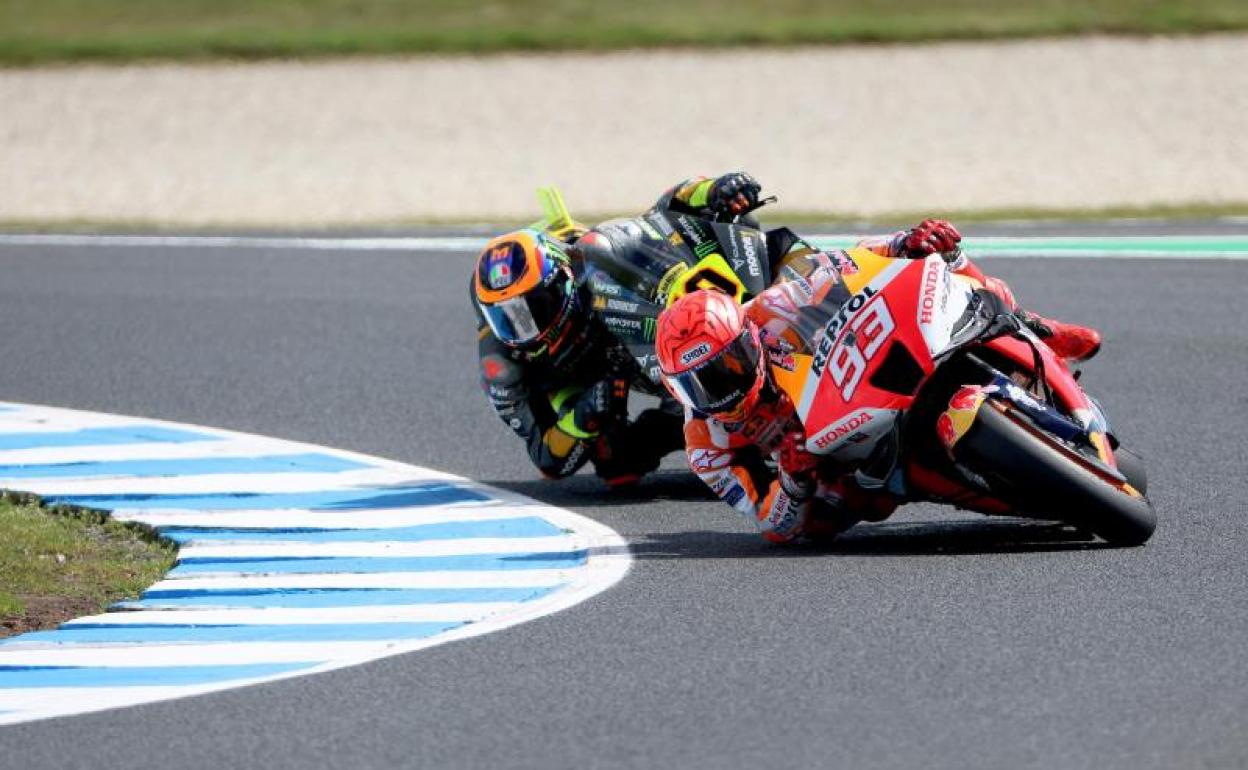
(1016, 246)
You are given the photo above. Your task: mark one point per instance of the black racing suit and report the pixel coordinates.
(521, 386)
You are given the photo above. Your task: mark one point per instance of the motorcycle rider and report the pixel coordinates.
(714, 356)
(550, 367)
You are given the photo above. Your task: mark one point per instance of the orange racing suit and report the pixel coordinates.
(733, 458)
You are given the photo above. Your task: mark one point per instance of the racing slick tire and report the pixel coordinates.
(1045, 478)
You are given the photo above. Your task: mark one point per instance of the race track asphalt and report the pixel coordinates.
(938, 639)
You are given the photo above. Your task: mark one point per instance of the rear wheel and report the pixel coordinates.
(1045, 478)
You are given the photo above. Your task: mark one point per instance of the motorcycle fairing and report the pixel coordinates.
(869, 347)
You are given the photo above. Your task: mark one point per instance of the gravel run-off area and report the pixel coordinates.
(1073, 123)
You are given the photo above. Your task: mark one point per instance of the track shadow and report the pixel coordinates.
(945, 538)
(587, 490)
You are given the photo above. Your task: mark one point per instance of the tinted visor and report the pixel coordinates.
(719, 384)
(527, 317)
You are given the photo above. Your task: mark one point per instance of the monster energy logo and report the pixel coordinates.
(648, 328)
(705, 248)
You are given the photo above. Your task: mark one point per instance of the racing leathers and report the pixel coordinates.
(758, 465)
(568, 399)
(570, 405)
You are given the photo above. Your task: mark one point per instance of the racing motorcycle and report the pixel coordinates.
(929, 387)
(925, 384)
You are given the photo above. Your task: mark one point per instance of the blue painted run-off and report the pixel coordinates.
(529, 526)
(157, 633)
(124, 434)
(156, 676)
(189, 466)
(405, 496)
(313, 564)
(327, 597)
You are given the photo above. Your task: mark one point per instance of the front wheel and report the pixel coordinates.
(1043, 477)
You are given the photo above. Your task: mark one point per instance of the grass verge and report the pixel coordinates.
(43, 31)
(58, 562)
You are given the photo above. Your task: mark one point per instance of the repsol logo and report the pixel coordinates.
(834, 327)
(695, 354)
(840, 431)
(927, 304)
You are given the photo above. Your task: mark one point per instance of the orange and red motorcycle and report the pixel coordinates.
(930, 388)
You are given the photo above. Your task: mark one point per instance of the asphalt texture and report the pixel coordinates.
(938, 639)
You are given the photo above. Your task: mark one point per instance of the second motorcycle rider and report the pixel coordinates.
(550, 367)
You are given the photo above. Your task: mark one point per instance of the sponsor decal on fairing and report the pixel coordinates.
(854, 434)
(942, 300)
(600, 284)
(620, 322)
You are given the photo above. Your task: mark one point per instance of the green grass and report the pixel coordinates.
(58, 563)
(43, 31)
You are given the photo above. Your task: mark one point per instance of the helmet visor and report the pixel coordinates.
(524, 318)
(722, 382)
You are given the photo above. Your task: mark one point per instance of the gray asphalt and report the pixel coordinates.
(938, 639)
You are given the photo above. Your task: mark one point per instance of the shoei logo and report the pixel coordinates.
(695, 354)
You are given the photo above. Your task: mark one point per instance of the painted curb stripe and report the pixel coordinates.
(98, 436)
(342, 597)
(383, 518)
(189, 466)
(52, 676)
(1146, 247)
(295, 565)
(532, 526)
(270, 632)
(430, 579)
(435, 493)
(295, 560)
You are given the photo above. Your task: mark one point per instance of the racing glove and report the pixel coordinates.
(733, 194)
(797, 466)
(602, 407)
(931, 236)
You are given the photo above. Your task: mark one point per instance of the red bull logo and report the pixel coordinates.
(953, 424)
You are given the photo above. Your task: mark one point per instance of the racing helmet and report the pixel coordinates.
(525, 289)
(710, 355)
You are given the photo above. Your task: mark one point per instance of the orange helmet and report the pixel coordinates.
(710, 355)
(525, 288)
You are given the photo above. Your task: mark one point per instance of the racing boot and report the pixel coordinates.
(1072, 342)
(623, 456)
